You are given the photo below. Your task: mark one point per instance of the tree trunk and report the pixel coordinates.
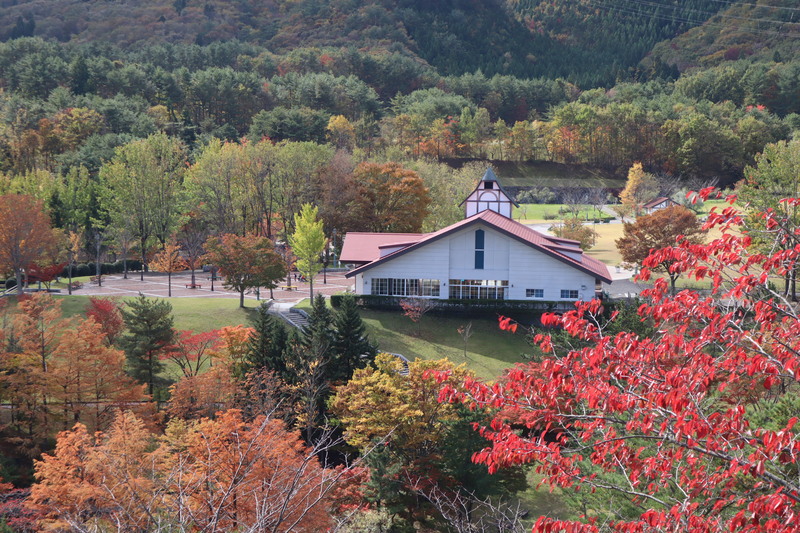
(18, 275)
(69, 277)
(144, 253)
(241, 298)
(169, 284)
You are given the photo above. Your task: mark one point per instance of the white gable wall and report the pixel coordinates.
(482, 199)
(536, 270)
(453, 257)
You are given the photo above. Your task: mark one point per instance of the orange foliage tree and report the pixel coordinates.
(663, 229)
(25, 234)
(60, 370)
(220, 474)
(88, 376)
(169, 260)
(389, 198)
(247, 262)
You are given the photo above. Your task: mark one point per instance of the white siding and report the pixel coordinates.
(462, 255)
(453, 257)
(494, 200)
(535, 270)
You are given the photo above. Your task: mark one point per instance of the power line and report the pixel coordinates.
(709, 14)
(677, 18)
(732, 4)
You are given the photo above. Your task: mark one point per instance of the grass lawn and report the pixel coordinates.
(196, 314)
(605, 248)
(554, 212)
(550, 174)
(489, 350)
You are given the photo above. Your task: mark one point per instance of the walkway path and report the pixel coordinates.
(155, 284)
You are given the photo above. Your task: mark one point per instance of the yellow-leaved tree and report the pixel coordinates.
(640, 188)
(308, 243)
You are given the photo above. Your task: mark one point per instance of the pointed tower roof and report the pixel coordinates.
(489, 176)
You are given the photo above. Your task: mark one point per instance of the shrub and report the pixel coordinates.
(82, 269)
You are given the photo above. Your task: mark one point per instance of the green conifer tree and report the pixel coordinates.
(150, 332)
(318, 334)
(351, 346)
(267, 344)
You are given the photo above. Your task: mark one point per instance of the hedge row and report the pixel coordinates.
(90, 269)
(369, 301)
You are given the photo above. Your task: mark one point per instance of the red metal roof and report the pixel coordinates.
(653, 203)
(367, 245)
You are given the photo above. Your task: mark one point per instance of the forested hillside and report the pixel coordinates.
(762, 30)
(588, 42)
(247, 137)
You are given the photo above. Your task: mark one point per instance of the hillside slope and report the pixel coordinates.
(760, 30)
(589, 42)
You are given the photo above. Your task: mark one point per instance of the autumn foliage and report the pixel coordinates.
(221, 474)
(389, 198)
(106, 312)
(25, 234)
(695, 425)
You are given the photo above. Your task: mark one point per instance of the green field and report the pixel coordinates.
(531, 213)
(195, 314)
(489, 350)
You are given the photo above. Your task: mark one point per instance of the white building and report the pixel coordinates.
(659, 203)
(487, 255)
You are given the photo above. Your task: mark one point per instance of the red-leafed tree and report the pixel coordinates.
(693, 425)
(192, 352)
(416, 308)
(44, 273)
(106, 312)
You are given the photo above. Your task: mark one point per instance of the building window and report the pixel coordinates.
(569, 293)
(479, 249)
(405, 287)
(474, 289)
(534, 293)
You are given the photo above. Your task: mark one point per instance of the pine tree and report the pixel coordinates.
(267, 344)
(318, 334)
(150, 332)
(351, 347)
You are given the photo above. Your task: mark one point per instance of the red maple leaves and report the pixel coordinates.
(673, 421)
